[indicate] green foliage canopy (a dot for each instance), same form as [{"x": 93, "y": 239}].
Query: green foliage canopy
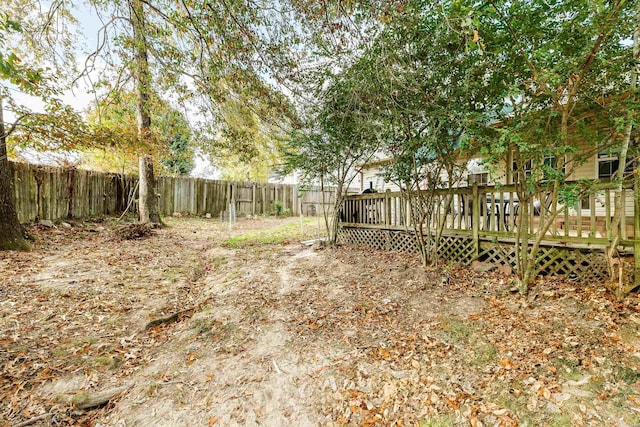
[{"x": 116, "y": 118}]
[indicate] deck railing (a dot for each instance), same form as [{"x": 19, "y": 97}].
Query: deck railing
[{"x": 586, "y": 220}]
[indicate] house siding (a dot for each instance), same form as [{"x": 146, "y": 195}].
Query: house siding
[{"x": 373, "y": 176}]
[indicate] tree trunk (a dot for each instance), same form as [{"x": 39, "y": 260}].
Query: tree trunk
[
  {"x": 147, "y": 208},
  {"x": 147, "y": 200},
  {"x": 335, "y": 214},
  {"x": 11, "y": 236},
  {"x": 618, "y": 221}
]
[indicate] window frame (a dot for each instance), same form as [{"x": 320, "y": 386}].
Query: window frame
[
  {"x": 553, "y": 162},
  {"x": 527, "y": 172},
  {"x": 480, "y": 170},
  {"x": 611, "y": 155}
]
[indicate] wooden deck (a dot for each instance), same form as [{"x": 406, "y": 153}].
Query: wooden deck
[{"x": 574, "y": 243}]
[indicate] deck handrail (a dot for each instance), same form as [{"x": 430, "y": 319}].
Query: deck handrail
[
  {"x": 493, "y": 210},
  {"x": 505, "y": 188}
]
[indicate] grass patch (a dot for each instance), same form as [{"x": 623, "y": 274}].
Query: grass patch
[
  {"x": 278, "y": 235},
  {"x": 197, "y": 272},
  {"x": 152, "y": 389},
  {"x": 561, "y": 420},
  {"x": 73, "y": 348},
  {"x": 596, "y": 385},
  {"x": 516, "y": 404},
  {"x": 205, "y": 326},
  {"x": 456, "y": 329},
  {"x": 485, "y": 353},
  {"x": 439, "y": 421},
  {"x": 214, "y": 329},
  {"x": 629, "y": 334},
  {"x": 254, "y": 314},
  {"x": 218, "y": 262},
  {"x": 106, "y": 362},
  {"x": 569, "y": 369},
  {"x": 626, "y": 374}
]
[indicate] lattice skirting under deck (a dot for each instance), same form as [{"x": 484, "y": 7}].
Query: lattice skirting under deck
[
  {"x": 583, "y": 265},
  {"x": 456, "y": 248}
]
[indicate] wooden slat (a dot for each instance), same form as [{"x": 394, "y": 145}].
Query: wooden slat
[
  {"x": 578, "y": 219},
  {"x": 501, "y": 213},
  {"x": 607, "y": 214},
  {"x": 512, "y": 212},
  {"x": 492, "y": 215},
  {"x": 623, "y": 214},
  {"x": 592, "y": 219}
]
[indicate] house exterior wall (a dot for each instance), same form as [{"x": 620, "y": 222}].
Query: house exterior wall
[
  {"x": 498, "y": 174},
  {"x": 373, "y": 177},
  {"x": 587, "y": 169}
]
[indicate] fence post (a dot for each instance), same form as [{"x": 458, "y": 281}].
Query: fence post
[
  {"x": 475, "y": 218},
  {"x": 253, "y": 199},
  {"x": 636, "y": 230}
]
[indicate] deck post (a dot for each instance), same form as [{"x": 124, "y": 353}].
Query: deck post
[
  {"x": 636, "y": 230},
  {"x": 408, "y": 209},
  {"x": 475, "y": 218},
  {"x": 387, "y": 207}
]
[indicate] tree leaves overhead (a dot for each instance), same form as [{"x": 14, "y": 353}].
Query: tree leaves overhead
[
  {"x": 114, "y": 120},
  {"x": 37, "y": 45},
  {"x": 434, "y": 73}
]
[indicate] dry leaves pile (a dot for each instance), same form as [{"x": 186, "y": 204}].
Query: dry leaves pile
[
  {"x": 72, "y": 310},
  {"x": 289, "y": 335}
]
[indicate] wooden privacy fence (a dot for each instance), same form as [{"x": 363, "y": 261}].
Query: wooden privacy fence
[
  {"x": 43, "y": 192},
  {"x": 482, "y": 222}
]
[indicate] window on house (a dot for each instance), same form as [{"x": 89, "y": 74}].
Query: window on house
[
  {"x": 609, "y": 162},
  {"x": 585, "y": 203},
  {"x": 477, "y": 172},
  {"x": 607, "y": 165},
  {"x": 550, "y": 161},
  {"x": 481, "y": 178},
  {"x": 550, "y": 164},
  {"x": 528, "y": 167}
]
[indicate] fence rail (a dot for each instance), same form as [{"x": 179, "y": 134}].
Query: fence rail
[{"x": 43, "y": 192}]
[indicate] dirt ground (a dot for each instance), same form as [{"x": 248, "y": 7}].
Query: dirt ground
[{"x": 268, "y": 331}]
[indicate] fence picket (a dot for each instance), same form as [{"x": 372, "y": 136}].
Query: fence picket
[{"x": 55, "y": 193}]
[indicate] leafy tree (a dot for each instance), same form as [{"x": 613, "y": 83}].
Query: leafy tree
[
  {"x": 148, "y": 210},
  {"x": 11, "y": 236},
  {"x": 24, "y": 38},
  {"x": 337, "y": 141},
  {"x": 115, "y": 117},
  {"x": 253, "y": 124},
  {"x": 629, "y": 150},
  {"x": 180, "y": 158},
  {"x": 195, "y": 50},
  {"x": 430, "y": 94},
  {"x": 554, "y": 61},
  {"x": 521, "y": 81}
]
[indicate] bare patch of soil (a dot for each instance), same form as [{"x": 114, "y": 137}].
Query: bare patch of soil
[{"x": 281, "y": 334}]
